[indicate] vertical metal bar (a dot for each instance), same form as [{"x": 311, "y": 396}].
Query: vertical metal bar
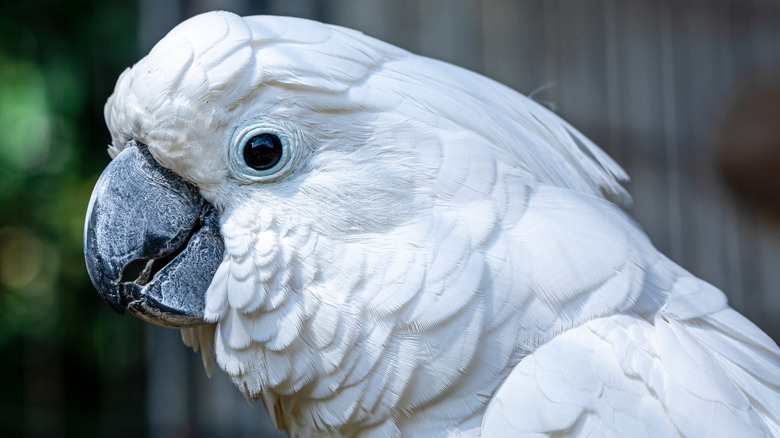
[
  {"x": 732, "y": 222},
  {"x": 551, "y": 54},
  {"x": 613, "y": 80},
  {"x": 670, "y": 132}
]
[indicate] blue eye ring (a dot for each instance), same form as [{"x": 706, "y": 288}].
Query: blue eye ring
[{"x": 261, "y": 152}]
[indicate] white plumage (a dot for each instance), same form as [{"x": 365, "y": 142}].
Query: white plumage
[{"x": 441, "y": 256}]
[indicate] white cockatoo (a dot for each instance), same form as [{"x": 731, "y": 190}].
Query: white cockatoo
[{"x": 375, "y": 243}]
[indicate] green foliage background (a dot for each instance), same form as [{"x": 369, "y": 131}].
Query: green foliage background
[{"x": 69, "y": 365}]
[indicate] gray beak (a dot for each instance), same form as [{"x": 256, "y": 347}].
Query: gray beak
[{"x": 151, "y": 242}]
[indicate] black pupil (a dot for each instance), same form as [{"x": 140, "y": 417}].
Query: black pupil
[{"x": 263, "y": 151}]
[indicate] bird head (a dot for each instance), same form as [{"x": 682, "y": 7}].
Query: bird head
[{"x": 309, "y": 192}]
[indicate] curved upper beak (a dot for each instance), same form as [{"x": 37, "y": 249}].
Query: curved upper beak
[{"x": 151, "y": 242}]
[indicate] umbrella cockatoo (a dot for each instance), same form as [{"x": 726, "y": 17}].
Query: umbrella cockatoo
[{"x": 375, "y": 243}]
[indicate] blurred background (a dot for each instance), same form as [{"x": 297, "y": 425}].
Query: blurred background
[{"x": 684, "y": 94}]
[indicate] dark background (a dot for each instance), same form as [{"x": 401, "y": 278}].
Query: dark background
[{"x": 684, "y": 94}]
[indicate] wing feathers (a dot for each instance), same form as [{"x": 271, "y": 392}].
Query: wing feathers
[{"x": 623, "y": 376}]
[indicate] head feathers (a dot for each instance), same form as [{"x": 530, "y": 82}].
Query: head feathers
[{"x": 203, "y": 77}]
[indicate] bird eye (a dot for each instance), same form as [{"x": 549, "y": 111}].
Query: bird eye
[{"x": 263, "y": 151}]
